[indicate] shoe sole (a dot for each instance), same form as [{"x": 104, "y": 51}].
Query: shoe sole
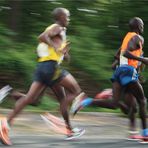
[
  {"x": 133, "y": 139},
  {"x": 76, "y": 137},
  {"x": 143, "y": 142},
  {"x": 5, "y": 140}
]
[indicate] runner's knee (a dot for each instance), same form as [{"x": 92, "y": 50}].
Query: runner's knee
[
  {"x": 76, "y": 91},
  {"x": 142, "y": 102}
]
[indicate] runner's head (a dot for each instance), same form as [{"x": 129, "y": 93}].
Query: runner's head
[
  {"x": 61, "y": 16},
  {"x": 136, "y": 25}
]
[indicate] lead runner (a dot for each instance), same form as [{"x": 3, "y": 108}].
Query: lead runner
[{"x": 52, "y": 49}]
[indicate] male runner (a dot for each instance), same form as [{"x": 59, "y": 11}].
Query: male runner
[
  {"x": 52, "y": 48},
  {"x": 126, "y": 74}
]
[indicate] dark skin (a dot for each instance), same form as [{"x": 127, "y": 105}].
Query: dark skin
[
  {"x": 63, "y": 96},
  {"x": 129, "y": 104},
  {"x": 65, "y": 90},
  {"x": 135, "y": 89}
]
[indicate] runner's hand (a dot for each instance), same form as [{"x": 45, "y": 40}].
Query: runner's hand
[{"x": 66, "y": 48}]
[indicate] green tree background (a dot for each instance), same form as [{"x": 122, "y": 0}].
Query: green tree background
[{"x": 96, "y": 31}]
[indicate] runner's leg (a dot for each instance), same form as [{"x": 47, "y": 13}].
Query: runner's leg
[
  {"x": 61, "y": 97},
  {"x": 110, "y": 103},
  {"x": 71, "y": 86},
  {"x": 130, "y": 101},
  {"x": 137, "y": 91},
  {"x": 34, "y": 91}
]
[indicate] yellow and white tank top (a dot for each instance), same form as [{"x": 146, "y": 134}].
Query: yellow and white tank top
[{"x": 46, "y": 52}]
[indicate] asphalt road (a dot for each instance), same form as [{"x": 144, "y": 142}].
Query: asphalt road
[{"x": 103, "y": 130}]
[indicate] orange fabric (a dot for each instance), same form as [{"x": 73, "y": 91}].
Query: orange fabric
[
  {"x": 137, "y": 52},
  {"x": 126, "y": 39}
]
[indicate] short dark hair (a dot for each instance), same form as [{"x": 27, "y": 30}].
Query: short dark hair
[
  {"x": 58, "y": 11},
  {"x": 134, "y": 23}
]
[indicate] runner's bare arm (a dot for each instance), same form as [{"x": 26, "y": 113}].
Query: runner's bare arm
[
  {"x": 116, "y": 61},
  {"x": 114, "y": 64},
  {"x": 116, "y": 56},
  {"x": 47, "y": 35},
  {"x": 134, "y": 44}
]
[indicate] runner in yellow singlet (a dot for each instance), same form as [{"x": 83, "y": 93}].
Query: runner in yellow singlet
[{"x": 51, "y": 50}]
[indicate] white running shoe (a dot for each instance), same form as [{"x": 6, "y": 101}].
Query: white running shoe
[
  {"x": 4, "y": 92},
  {"x": 76, "y": 133},
  {"x": 76, "y": 103},
  {"x": 4, "y": 132}
]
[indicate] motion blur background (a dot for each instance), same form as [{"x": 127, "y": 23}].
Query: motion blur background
[{"x": 96, "y": 30}]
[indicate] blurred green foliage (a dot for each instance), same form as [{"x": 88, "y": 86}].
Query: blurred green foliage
[
  {"x": 16, "y": 63},
  {"x": 96, "y": 30}
]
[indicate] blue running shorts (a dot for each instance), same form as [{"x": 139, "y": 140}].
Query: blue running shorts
[{"x": 125, "y": 74}]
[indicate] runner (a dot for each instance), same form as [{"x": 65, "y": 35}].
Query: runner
[
  {"x": 52, "y": 49},
  {"x": 4, "y": 91},
  {"x": 128, "y": 105},
  {"x": 126, "y": 75}
]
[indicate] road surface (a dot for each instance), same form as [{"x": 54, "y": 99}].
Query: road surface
[{"x": 103, "y": 130}]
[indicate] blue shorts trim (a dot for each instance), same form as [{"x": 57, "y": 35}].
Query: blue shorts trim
[{"x": 125, "y": 74}]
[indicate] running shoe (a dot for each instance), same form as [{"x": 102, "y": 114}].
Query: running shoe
[
  {"x": 4, "y": 131},
  {"x": 145, "y": 136},
  {"x": 4, "y": 92},
  {"x": 76, "y": 105},
  {"x": 58, "y": 127},
  {"x": 134, "y": 136},
  {"x": 105, "y": 94},
  {"x": 144, "y": 139},
  {"x": 54, "y": 126},
  {"x": 75, "y": 134}
]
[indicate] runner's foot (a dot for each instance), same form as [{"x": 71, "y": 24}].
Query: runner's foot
[
  {"x": 58, "y": 126},
  {"x": 144, "y": 136},
  {"x": 75, "y": 134},
  {"x": 134, "y": 136},
  {"x": 76, "y": 105},
  {"x": 4, "y": 131}
]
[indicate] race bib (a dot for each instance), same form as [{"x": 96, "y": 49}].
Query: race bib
[{"x": 42, "y": 50}]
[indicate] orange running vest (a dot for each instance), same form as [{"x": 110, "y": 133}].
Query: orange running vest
[{"x": 138, "y": 52}]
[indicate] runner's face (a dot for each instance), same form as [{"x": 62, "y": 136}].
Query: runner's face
[
  {"x": 140, "y": 26},
  {"x": 66, "y": 19}
]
